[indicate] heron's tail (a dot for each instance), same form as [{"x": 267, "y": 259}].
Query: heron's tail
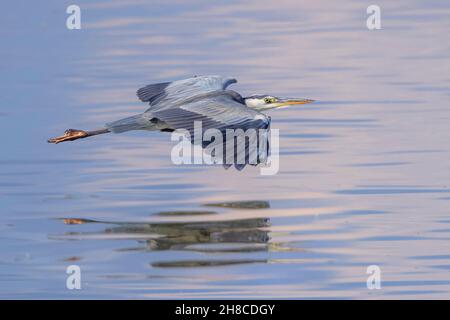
[{"x": 137, "y": 122}]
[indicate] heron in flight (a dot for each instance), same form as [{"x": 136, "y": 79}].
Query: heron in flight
[{"x": 178, "y": 104}]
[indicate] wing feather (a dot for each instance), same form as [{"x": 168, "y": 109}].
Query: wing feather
[
  {"x": 220, "y": 111},
  {"x": 162, "y": 94},
  {"x": 180, "y": 104}
]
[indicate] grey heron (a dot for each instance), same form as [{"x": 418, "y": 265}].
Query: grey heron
[{"x": 178, "y": 104}]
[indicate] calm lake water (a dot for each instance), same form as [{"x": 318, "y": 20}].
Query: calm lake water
[{"x": 364, "y": 172}]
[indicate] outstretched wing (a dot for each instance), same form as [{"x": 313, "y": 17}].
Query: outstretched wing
[
  {"x": 220, "y": 111},
  {"x": 171, "y": 93}
]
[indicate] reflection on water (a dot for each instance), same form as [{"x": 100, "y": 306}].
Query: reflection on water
[
  {"x": 363, "y": 174},
  {"x": 241, "y": 204},
  {"x": 184, "y": 213},
  {"x": 180, "y": 236},
  {"x": 201, "y": 263},
  {"x": 239, "y": 236}
]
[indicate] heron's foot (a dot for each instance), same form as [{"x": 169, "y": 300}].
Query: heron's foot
[{"x": 69, "y": 135}]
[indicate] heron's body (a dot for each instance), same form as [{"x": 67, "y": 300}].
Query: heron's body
[
  {"x": 221, "y": 107},
  {"x": 179, "y": 104}
]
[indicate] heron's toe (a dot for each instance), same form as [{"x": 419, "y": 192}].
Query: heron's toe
[{"x": 69, "y": 135}]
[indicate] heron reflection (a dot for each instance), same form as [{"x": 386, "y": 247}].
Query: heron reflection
[
  {"x": 204, "y": 236},
  {"x": 243, "y": 235},
  {"x": 234, "y": 235}
]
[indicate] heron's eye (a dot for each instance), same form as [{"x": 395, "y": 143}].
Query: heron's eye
[{"x": 269, "y": 100}]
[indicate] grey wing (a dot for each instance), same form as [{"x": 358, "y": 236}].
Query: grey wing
[
  {"x": 222, "y": 113},
  {"x": 169, "y": 93}
]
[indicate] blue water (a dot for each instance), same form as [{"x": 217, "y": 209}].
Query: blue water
[{"x": 364, "y": 172}]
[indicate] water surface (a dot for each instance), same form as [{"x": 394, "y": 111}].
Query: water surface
[{"x": 364, "y": 172}]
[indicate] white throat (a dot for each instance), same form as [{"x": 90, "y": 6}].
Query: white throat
[
  {"x": 258, "y": 104},
  {"x": 253, "y": 103}
]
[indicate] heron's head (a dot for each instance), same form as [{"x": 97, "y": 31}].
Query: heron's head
[{"x": 266, "y": 102}]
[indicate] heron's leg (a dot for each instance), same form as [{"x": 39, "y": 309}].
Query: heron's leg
[{"x": 73, "y": 134}]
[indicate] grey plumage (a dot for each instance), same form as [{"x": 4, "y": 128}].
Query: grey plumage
[
  {"x": 171, "y": 93},
  {"x": 136, "y": 122},
  {"x": 178, "y": 104},
  {"x": 151, "y": 92}
]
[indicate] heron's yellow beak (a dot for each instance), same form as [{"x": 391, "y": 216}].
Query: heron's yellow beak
[{"x": 289, "y": 102}]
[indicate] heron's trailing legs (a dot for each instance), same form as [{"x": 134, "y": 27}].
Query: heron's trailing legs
[{"x": 73, "y": 134}]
